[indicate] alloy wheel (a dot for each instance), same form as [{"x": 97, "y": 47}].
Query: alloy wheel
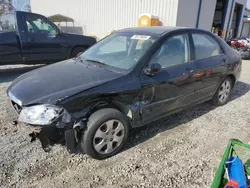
[
  {"x": 108, "y": 136},
  {"x": 224, "y": 91}
]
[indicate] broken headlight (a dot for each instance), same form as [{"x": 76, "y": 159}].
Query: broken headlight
[{"x": 39, "y": 114}]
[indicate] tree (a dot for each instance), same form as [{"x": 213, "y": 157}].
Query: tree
[
  {"x": 5, "y": 6},
  {"x": 23, "y": 5},
  {"x": 14, "y": 5}
]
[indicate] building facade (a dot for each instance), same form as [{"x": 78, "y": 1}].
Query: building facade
[
  {"x": 99, "y": 17},
  {"x": 246, "y": 24},
  {"x": 206, "y": 14}
]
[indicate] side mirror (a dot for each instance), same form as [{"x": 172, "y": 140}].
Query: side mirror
[{"x": 153, "y": 69}]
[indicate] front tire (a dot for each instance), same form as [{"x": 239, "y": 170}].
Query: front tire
[
  {"x": 222, "y": 95},
  {"x": 77, "y": 51},
  {"x": 107, "y": 131}
]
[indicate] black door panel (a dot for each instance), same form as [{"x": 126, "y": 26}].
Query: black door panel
[
  {"x": 43, "y": 47},
  {"x": 209, "y": 73},
  {"x": 44, "y": 44},
  {"x": 171, "y": 88},
  {"x": 10, "y": 48},
  {"x": 167, "y": 90},
  {"x": 210, "y": 62}
]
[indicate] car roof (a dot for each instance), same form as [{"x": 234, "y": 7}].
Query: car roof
[{"x": 156, "y": 30}]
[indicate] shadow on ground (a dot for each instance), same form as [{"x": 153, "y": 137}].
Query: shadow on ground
[
  {"x": 11, "y": 73},
  {"x": 144, "y": 133}
]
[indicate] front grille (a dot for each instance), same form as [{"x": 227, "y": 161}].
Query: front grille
[{"x": 16, "y": 107}]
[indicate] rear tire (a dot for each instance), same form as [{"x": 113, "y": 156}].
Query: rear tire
[
  {"x": 107, "y": 131},
  {"x": 76, "y": 51},
  {"x": 223, "y": 93}
]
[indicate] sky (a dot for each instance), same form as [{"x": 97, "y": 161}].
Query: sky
[{"x": 248, "y": 4}]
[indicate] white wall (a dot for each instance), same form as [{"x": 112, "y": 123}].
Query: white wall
[
  {"x": 70, "y": 8},
  {"x": 246, "y": 26},
  {"x": 245, "y": 30},
  {"x": 98, "y": 17},
  {"x": 188, "y": 11},
  {"x": 207, "y": 14}
]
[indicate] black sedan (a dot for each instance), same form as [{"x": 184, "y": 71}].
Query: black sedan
[{"x": 126, "y": 80}]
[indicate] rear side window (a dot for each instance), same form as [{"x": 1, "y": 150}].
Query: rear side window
[{"x": 205, "y": 46}]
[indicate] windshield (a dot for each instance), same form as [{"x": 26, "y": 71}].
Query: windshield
[
  {"x": 7, "y": 22},
  {"x": 120, "y": 50}
]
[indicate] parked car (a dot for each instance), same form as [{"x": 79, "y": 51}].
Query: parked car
[
  {"x": 128, "y": 79},
  {"x": 28, "y": 38}
]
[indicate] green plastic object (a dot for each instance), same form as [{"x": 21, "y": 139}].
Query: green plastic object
[
  {"x": 247, "y": 166},
  {"x": 234, "y": 148}
]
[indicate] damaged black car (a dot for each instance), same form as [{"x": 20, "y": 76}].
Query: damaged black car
[{"x": 128, "y": 79}]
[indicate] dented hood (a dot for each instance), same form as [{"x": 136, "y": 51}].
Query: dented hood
[{"x": 53, "y": 83}]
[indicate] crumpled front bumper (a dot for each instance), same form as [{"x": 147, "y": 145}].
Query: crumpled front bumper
[
  {"x": 60, "y": 130},
  {"x": 28, "y": 129}
]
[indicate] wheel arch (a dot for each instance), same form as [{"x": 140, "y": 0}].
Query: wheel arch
[
  {"x": 77, "y": 46},
  {"x": 124, "y": 109},
  {"x": 233, "y": 78}
]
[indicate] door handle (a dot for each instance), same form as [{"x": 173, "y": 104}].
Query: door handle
[
  {"x": 64, "y": 45},
  {"x": 31, "y": 39}
]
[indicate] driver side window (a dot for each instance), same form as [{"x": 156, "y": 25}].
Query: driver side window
[
  {"x": 36, "y": 24},
  {"x": 174, "y": 51}
]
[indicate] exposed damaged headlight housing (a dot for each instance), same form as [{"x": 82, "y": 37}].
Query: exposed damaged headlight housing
[{"x": 39, "y": 114}]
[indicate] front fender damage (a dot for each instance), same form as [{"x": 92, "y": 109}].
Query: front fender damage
[
  {"x": 69, "y": 127},
  {"x": 73, "y": 134}
]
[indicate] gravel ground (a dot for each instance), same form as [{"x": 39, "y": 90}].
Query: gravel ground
[{"x": 182, "y": 150}]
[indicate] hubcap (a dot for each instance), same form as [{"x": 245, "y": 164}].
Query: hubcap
[
  {"x": 108, "y": 136},
  {"x": 224, "y": 91}
]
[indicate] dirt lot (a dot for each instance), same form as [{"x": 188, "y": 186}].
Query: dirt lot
[{"x": 182, "y": 150}]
